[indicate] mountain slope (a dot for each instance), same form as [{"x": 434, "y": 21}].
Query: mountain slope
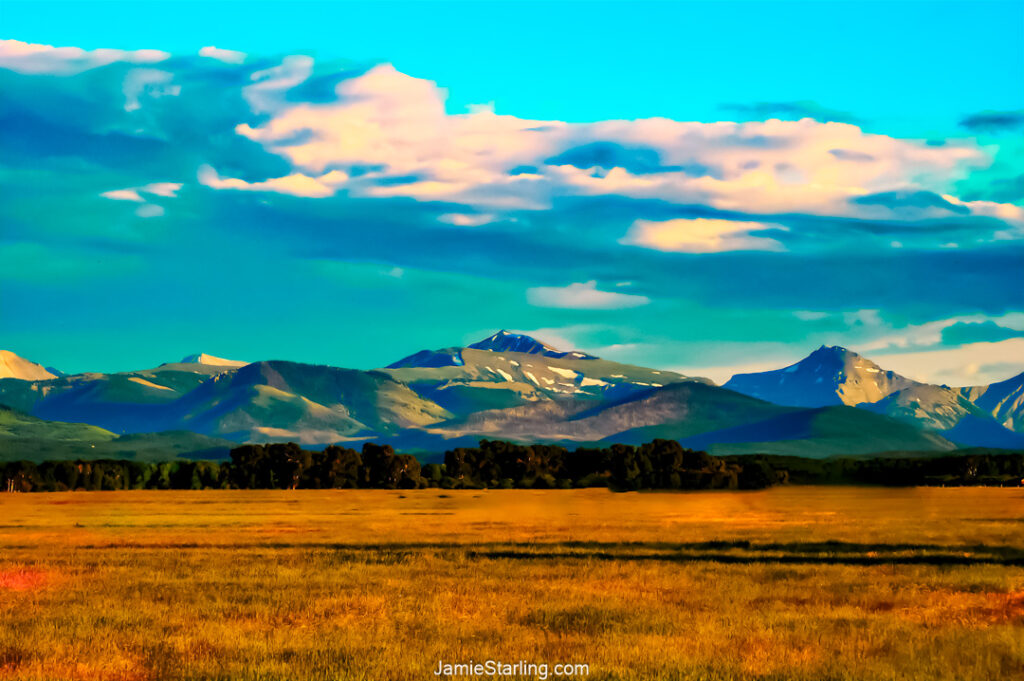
[
  {"x": 1003, "y": 400},
  {"x": 13, "y": 366},
  {"x": 819, "y": 433},
  {"x": 25, "y": 437},
  {"x": 121, "y": 402},
  {"x": 949, "y": 412},
  {"x": 272, "y": 401},
  {"x": 465, "y": 380},
  {"x": 828, "y": 376},
  {"x": 506, "y": 341},
  {"x": 210, "y": 360}
]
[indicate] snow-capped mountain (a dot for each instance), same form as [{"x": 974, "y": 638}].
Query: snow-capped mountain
[
  {"x": 13, "y": 366},
  {"x": 506, "y": 341},
  {"x": 828, "y": 376},
  {"x": 490, "y": 375}
]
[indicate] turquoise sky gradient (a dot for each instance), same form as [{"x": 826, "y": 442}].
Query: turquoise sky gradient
[{"x": 888, "y": 220}]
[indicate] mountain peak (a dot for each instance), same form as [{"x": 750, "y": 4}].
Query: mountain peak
[
  {"x": 828, "y": 376},
  {"x": 507, "y": 341},
  {"x": 211, "y": 360},
  {"x": 13, "y": 366}
]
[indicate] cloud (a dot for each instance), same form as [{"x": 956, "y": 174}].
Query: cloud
[
  {"x": 149, "y": 210},
  {"x": 994, "y": 121},
  {"x": 123, "y": 195},
  {"x": 962, "y": 333},
  {"x": 971, "y": 364},
  {"x": 914, "y": 200},
  {"x": 167, "y": 189},
  {"x": 31, "y": 58},
  {"x": 164, "y": 189},
  {"x": 147, "y": 82},
  {"x": 296, "y": 184},
  {"x": 701, "y": 235},
  {"x": 790, "y": 110},
  {"x": 582, "y": 296},
  {"x": 226, "y": 56},
  {"x": 397, "y": 126},
  {"x": 465, "y": 220}
]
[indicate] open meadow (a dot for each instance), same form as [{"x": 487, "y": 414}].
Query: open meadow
[{"x": 811, "y": 583}]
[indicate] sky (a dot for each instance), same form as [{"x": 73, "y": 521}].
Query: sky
[{"x": 707, "y": 187}]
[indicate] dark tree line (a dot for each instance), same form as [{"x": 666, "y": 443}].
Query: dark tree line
[
  {"x": 661, "y": 464},
  {"x": 902, "y": 469}
]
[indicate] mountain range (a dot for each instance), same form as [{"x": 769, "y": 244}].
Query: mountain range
[{"x": 507, "y": 386}]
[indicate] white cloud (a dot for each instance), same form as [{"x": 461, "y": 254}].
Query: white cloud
[
  {"x": 123, "y": 195},
  {"x": 32, "y": 58},
  {"x": 701, "y": 235},
  {"x": 466, "y": 220},
  {"x": 582, "y": 296},
  {"x": 147, "y": 82},
  {"x": 226, "y": 56},
  {"x": 164, "y": 189},
  {"x": 270, "y": 85},
  {"x": 971, "y": 364},
  {"x": 295, "y": 184},
  {"x": 167, "y": 189},
  {"x": 398, "y": 125}
]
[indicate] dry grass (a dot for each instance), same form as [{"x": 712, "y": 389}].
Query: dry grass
[{"x": 791, "y": 583}]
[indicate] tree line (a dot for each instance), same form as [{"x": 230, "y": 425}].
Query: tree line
[{"x": 661, "y": 464}]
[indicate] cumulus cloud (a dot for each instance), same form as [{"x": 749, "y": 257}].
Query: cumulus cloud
[
  {"x": 226, "y": 56},
  {"x": 36, "y": 59},
  {"x": 397, "y": 127},
  {"x": 582, "y": 296},
  {"x": 296, "y": 184},
  {"x": 701, "y": 235}
]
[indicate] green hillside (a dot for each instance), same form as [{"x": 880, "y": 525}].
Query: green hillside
[{"x": 24, "y": 437}]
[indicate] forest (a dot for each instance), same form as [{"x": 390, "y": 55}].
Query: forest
[{"x": 495, "y": 464}]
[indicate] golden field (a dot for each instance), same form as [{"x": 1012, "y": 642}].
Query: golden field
[{"x": 807, "y": 583}]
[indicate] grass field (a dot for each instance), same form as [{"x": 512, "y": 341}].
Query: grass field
[{"x": 806, "y": 583}]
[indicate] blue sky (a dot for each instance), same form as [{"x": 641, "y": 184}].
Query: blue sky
[{"x": 702, "y": 186}]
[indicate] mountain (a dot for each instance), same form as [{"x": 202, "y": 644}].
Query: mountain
[
  {"x": 830, "y": 375},
  {"x": 280, "y": 401},
  {"x": 932, "y": 406},
  {"x": 1003, "y": 400},
  {"x": 507, "y": 386},
  {"x": 121, "y": 402},
  {"x": 819, "y": 433},
  {"x": 672, "y": 411},
  {"x": 465, "y": 380},
  {"x": 13, "y": 366},
  {"x": 506, "y": 341},
  {"x": 698, "y": 415},
  {"x": 27, "y": 438},
  {"x": 210, "y": 360},
  {"x": 949, "y": 412}
]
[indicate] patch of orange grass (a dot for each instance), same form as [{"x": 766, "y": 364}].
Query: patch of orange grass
[
  {"x": 22, "y": 579},
  {"x": 945, "y": 608},
  {"x": 120, "y": 669}
]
